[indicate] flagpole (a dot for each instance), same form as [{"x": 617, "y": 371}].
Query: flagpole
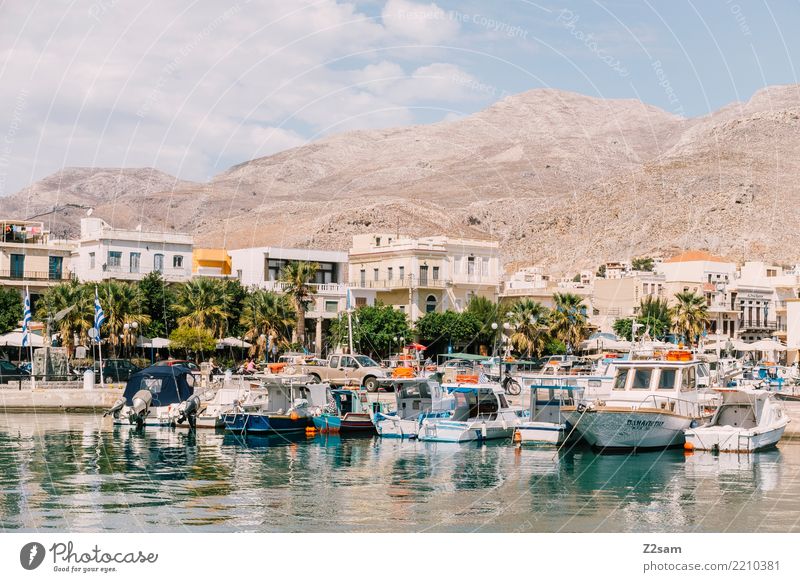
[
  {"x": 97, "y": 336},
  {"x": 30, "y": 343}
]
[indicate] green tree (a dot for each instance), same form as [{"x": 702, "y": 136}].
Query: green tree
[
  {"x": 642, "y": 264},
  {"x": 267, "y": 315},
  {"x": 192, "y": 340},
  {"x": 235, "y": 296},
  {"x": 530, "y": 321},
  {"x": 568, "y": 320},
  {"x": 690, "y": 315},
  {"x": 157, "y": 297},
  {"x": 653, "y": 315},
  {"x": 10, "y": 309},
  {"x": 201, "y": 303},
  {"x": 448, "y": 329},
  {"x": 298, "y": 276},
  {"x": 122, "y": 305},
  {"x": 486, "y": 312},
  {"x": 374, "y": 329},
  {"x": 79, "y": 320}
]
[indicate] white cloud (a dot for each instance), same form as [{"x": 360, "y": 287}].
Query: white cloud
[
  {"x": 191, "y": 88},
  {"x": 420, "y": 23}
]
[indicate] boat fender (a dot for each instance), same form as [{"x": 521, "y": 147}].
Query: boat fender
[{"x": 693, "y": 424}]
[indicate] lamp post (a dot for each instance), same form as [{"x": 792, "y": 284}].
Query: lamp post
[{"x": 494, "y": 346}]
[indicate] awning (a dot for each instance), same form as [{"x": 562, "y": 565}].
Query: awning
[
  {"x": 766, "y": 345},
  {"x": 14, "y": 339},
  {"x": 155, "y": 343},
  {"x": 232, "y": 342}
]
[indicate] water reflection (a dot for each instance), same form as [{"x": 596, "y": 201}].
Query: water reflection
[{"x": 77, "y": 472}]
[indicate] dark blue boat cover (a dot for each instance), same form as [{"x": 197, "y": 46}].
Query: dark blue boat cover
[{"x": 167, "y": 384}]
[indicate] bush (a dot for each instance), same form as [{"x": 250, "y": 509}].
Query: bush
[{"x": 192, "y": 339}]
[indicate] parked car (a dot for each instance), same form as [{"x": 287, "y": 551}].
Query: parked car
[
  {"x": 344, "y": 370},
  {"x": 11, "y": 373},
  {"x": 115, "y": 370}
]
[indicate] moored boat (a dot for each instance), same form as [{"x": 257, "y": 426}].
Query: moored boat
[
  {"x": 286, "y": 409},
  {"x": 157, "y": 396},
  {"x": 747, "y": 420},
  {"x": 417, "y": 399},
  {"x": 344, "y": 412},
  {"x": 547, "y": 424}
]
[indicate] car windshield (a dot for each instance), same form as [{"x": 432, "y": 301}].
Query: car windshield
[{"x": 366, "y": 361}]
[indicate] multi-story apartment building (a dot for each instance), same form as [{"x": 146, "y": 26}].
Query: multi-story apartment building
[
  {"x": 620, "y": 297},
  {"x": 261, "y": 267},
  {"x": 30, "y": 258},
  {"x": 105, "y": 252},
  {"x": 420, "y": 275}
]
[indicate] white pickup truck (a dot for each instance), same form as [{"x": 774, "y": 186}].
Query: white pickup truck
[{"x": 348, "y": 370}]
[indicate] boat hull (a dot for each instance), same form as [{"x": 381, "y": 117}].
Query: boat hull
[
  {"x": 350, "y": 423},
  {"x": 626, "y": 429},
  {"x": 448, "y": 431},
  {"x": 264, "y": 423},
  {"x": 397, "y": 428},
  {"x": 542, "y": 433},
  {"x": 731, "y": 440}
]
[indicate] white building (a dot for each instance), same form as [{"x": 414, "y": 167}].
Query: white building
[
  {"x": 261, "y": 267},
  {"x": 105, "y": 252}
]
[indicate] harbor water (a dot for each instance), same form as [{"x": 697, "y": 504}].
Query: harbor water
[{"x": 77, "y": 472}]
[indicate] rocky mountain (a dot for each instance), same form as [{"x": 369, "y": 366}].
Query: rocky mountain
[{"x": 557, "y": 177}]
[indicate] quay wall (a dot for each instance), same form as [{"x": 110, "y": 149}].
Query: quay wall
[
  {"x": 793, "y": 411},
  {"x": 57, "y": 397}
]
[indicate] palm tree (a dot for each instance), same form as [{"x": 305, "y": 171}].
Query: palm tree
[
  {"x": 529, "y": 320},
  {"x": 297, "y": 276},
  {"x": 202, "y": 303},
  {"x": 654, "y": 313},
  {"x": 486, "y": 312},
  {"x": 78, "y": 321},
  {"x": 690, "y": 315},
  {"x": 266, "y": 315},
  {"x": 123, "y": 306},
  {"x": 568, "y": 319}
]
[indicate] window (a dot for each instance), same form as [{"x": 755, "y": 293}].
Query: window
[
  {"x": 363, "y": 277},
  {"x": 377, "y": 241},
  {"x": 470, "y": 265},
  {"x": 135, "y": 260},
  {"x": 331, "y": 306},
  {"x": 423, "y": 275},
  {"x": 641, "y": 379},
  {"x": 401, "y": 271},
  {"x": 114, "y": 258},
  {"x": 55, "y": 268},
  {"x": 688, "y": 379},
  {"x": 436, "y": 273},
  {"x": 389, "y": 273},
  {"x": 620, "y": 379},
  {"x": 177, "y": 262},
  {"x": 158, "y": 262},
  {"x": 361, "y": 301},
  {"x": 667, "y": 379},
  {"x": 334, "y": 361},
  {"x": 430, "y": 304},
  {"x": 91, "y": 260},
  {"x": 485, "y": 271},
  {"x": 375, "y": 274}
]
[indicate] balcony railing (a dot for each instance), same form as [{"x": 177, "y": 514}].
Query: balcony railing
[
  {"x": 757, "y": 324},
  {"x": 34, "y": 275},
  {"x": 404, "y": 283},
  {"x": 125, "y": 271}
]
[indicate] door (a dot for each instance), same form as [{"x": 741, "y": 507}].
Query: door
[
  {"x": 17, "y": 266},
  {"x": 56, "y": 268},
  {"x": 423, "y": 275}
]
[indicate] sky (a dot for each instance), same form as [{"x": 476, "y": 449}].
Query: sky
[{"x": 193, "y": 87}]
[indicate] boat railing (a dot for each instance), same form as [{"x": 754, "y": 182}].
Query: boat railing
[{"x": 679, "y": 406}]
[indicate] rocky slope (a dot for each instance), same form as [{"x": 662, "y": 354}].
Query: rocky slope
[{"x": 557, "y": 177}]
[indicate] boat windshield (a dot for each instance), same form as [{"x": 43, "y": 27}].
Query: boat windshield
[
  {"x": 415, "y": 391},
  {"x": 366, "y": 361},
  {"x": 667, "y": 379},
  {"x": 620, "y": 379},
  {"x": 641, "y": 379}
]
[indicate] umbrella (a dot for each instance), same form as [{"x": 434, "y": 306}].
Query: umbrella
[
  {"x": 156, "y": 343},
  {"x": 600, "y": 343},
  {"x": 735, "y": 345},
  {"x": 14, "y": 339},
  {"x": 767, "y": 345},
  {"x": 416, "y": 346},
  {"x": 232, "y": 342}
]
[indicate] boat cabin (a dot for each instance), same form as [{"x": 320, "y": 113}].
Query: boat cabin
[
  {"x": 549, "y": 397},
  {"x": 417, "y": 395},
  {"x": 167, "y": 384},
  {"x": 746, "y": 409},
  {"x": 348, "y": 401},
  {"x": 477, "y": 403}
]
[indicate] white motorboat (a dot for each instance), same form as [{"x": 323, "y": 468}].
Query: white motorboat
[
  {"x": 747, "y": 420},
  {"x": 481, "y": 412},
  {"x": 417, "y": 399},
  {"x": 227, "y": 399},
  {"x": 650, "y": 405},
  {"x": 547, "y": 424}
]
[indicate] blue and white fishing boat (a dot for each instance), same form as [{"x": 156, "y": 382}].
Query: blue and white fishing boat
[
  {"x": 417, "y": 399},
  {"x": 286, "y": 410},
  {"x": 480, "y": 413},
  {"x": 345, "y": 412},
  {"x": 548, "y": 424}
]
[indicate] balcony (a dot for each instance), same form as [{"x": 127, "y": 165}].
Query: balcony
[
  {"x": 757, "y": 324},
  {"x": 124, "y": 272},
  {"x": 14, "y": 275},
  {"x": 404, "y": 283}
]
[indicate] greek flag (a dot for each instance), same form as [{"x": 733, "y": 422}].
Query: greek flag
[
  {"x": 26, "y": 320},
  {"x": 99, "y": 316},
  {"x": 349, "y": 300}
]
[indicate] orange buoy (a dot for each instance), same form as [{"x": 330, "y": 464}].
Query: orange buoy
[{"x": 517, "y": 437}]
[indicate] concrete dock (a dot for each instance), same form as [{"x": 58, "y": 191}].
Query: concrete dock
[{"x": 57, "y": 397}]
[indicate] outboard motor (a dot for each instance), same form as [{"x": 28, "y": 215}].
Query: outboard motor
[
  {"x": 140, "y": 408},
  {"x": 115, "y": 408},
  {"x": 187, "y": 410}
]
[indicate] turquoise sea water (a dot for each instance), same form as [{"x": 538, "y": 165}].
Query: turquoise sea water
[{"x": 78, "y": 473}]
